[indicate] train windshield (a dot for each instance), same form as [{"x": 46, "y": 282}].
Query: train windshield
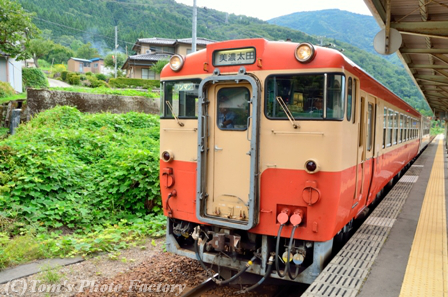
[
  {"x": 305, "y": 96},
  {"x": 180, "y": 98}
]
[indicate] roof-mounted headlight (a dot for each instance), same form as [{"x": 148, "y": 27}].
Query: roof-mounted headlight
[
  {"x": 305, "y": 52},
  {"x": 176, "y": 62}
]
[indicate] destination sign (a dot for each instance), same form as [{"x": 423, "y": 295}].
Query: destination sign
[{"x": 239, "y": 56}]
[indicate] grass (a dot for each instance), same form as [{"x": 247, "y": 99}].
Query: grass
[
  {"x": 12, "y": 98},
  {"x": 120, "y": 92}
]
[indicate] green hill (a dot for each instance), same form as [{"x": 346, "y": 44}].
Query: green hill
[
  {"x": 356, "y": 29},
  {"x": 94, "y": 21}
]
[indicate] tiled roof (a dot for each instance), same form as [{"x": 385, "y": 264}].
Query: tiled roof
[
  {"x": 149, "y": 57},
  {"x": 199, "y": 40},
  {"x": 157, "y": 40}
]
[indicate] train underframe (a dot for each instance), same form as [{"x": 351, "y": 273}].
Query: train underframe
[{"x": 229, "y": 251}]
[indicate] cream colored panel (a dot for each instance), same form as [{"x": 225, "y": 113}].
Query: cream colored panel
[{"x": 182, "y": 141}]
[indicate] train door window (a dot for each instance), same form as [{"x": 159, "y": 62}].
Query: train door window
[
  {"x": 369, "y": 126},
  {"x": 355, "y": 83},
  {"x": 349, "y": 98},
  {"x": 180, "y": 99},
  {"x": 233, "y": 108},
  {"x": 362, "y": 115},
  {"x": 385, "y": 127}
]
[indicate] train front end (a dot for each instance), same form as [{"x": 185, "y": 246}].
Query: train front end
[{"x": 257, "y": 161}]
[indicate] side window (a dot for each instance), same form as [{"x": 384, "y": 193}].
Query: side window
[
  {"x": 391, "y": 127},
  {"x": 349, "y": 98},
  {"x": 232, "y": 109},
  {"x": 369, "y": 126},
  {"x": 397, "y": 115}
]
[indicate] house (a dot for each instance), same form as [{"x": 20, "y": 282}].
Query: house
[
  {"x": 151, "y": 50},
  {"x": 11, "y": 71},
  {"x": 79, "y": 65},
  {"x": 97, "y": 65}
]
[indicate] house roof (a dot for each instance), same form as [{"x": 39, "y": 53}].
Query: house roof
[
  {"x": 96, "y": 59},
  {"x": 171, "y": 42},
  {"x": 145, "y": 59},
  {"x": 80, "y": 60}
]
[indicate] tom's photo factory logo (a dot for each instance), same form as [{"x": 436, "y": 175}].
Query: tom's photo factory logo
[{"x": 21, "y": 287}]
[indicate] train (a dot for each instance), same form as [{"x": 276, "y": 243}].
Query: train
[{"x": 270, "y": 151}]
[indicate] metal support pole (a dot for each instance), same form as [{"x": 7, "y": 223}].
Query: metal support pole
[
  {"x": 195, "y": 18},
  {"x": 116, "y": 46}
]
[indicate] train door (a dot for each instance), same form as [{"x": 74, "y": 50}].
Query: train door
[
  {"x": 365, "y": 152},
  {"x": 228, "y": 153}
]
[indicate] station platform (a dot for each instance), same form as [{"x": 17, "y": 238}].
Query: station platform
[{"x": 401, "y": 249}]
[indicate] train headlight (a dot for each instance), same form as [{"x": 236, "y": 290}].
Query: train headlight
[
  {"x": 176, "y": 62},
  {"x": 305, "y": 52},
  {"x": 311, "y": 166},
  {"x": 167, "y": 156}
]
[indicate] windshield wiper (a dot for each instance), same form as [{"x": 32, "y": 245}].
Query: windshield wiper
[
  {"x": 172, "y": 112},
  {"x": 287, "y": 111}
]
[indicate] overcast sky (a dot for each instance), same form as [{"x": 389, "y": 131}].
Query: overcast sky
[{"x": 266, "y": 10}]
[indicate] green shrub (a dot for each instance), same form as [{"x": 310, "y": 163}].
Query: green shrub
[
  {"x": 73, "y": 78},
  {"x": 94, "y": 82},
  {"x": 89, "y": 73},
  {"x": 65, "y": 168},
  {"x": 57, "y": 70},
  {"x": 33, "y": 78},
  {"x": 123, "y": 82},
  {"x": 64, "y": 75},
  {"x": 6, "y": 90},
  {"x": 101, "y": 76}
]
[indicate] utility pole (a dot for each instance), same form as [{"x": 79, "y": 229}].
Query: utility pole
[
  {"x": 195, "y": 18},
  {"x": 116, "y": 46}
]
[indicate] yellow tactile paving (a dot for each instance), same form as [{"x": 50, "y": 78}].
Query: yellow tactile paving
[{"x": 427, "y": 271}]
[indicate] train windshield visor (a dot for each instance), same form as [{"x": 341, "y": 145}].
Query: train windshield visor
[
  {"x": 307, "y": 96},
  {"x": 180, "y": 98}
]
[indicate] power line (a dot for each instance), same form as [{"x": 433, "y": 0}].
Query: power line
[{"x": 83, "y": 31}]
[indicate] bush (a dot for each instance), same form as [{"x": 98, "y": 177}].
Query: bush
[
  {"x": 94, "y": 82},
  {"x": 73, "y": 78},
  {"x": 65, "y": 168},
  {"x": 64, "y": 75},
  {"x": 6, "y": 90},
  {"x": 101, "y": 76},
  {"x": 33, "y": 78},
  {"x": 123, "y": 82}
]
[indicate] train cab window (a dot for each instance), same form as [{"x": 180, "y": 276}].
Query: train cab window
[
  {"x": 305, "y": 96},
  {"x": 233, "y": 108},
  {"x": 180, "y": 99},
  {"x": 349, "y": 98}
]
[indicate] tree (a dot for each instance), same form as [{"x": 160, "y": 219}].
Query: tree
[
  {"x": 40, "y": 47},
  {"x": 75, "y": 45},
  {"x": 16, "y": 29},
  {"x": 60, "y": 54},
  {"x": 157, "y": 67},
  {"x": 110, "y": 62},
  {"x": 86, "y": 51}
]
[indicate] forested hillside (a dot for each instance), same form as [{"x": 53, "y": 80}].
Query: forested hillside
[
  {"x": 94, "y": 20},
  {"x": 356, "y": 29}
]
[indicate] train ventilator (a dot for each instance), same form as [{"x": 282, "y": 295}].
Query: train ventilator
[{"x": 270, "y": 151}]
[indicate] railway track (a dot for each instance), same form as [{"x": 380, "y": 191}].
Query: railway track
[{"x": 208, "y": 288}]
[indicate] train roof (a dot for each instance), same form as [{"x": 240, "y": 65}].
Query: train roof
[{"x": 279, "y": 55}]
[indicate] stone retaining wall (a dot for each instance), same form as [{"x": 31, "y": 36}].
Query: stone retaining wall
[{"x": 40, "y": 100}]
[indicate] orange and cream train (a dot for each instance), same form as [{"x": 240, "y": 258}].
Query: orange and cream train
[{"x": 271, "y": 150}]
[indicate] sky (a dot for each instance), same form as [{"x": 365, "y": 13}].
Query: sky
[{"x": 266, "y": 10}]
